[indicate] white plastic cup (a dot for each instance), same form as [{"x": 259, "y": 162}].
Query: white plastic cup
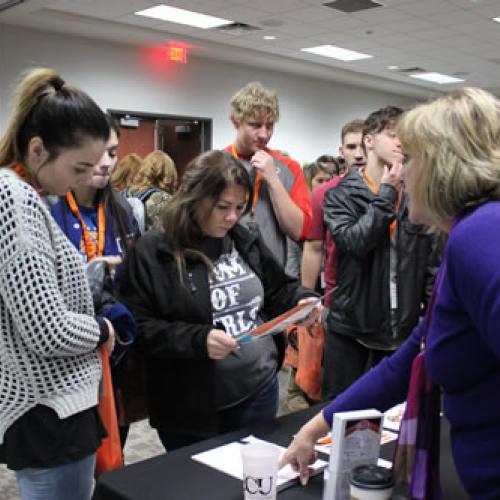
[{"x": 260, "y": 470}]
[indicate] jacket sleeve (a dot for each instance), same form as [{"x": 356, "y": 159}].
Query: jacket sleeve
[
  {"x": 357, "y": 234},
  {"x": 157, "y": 334},
  {"x": 281, "y": 291},
  {"x": 474, "y": 274}
]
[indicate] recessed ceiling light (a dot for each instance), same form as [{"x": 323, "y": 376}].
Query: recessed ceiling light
[
  {"x": 336, "y": 53},
  {"x": 437, "y": 78},
  {"x": 269, "y": 37},
  {"x": 496, "y": 19},
  {"x": 393, "y": 67},
  {"x": 182, "y": 16}
]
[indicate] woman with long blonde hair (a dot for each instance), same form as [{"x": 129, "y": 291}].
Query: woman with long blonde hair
[
  {"x": 453, "y": 182},
  {"x": 154, "y": 184},
  {"x": 125, "y": 170}
]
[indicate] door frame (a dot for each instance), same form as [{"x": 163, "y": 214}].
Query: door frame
[{"x": 206, "y": 124}]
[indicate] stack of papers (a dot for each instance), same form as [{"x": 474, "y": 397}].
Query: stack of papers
[{"x": 227, "y": 459}]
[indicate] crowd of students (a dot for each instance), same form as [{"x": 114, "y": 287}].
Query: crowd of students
[{"x": 188, "y": 268}]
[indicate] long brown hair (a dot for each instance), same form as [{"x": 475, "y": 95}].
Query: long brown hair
[{"x": 205, "y": 178}]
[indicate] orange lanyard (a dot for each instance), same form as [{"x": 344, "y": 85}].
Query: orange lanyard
[
  {"x": 26, "y": 177},
  {"x": 374, "y": 189},
  {"x": 258, "y": 182},
  {"x": 21, "y": 172},
  {"x": 90, "y": 248}
]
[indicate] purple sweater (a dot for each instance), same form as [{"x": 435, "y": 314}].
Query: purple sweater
[{"x": 462, "y": 354}]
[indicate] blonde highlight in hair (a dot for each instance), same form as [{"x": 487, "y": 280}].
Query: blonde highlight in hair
[
  {"x": 455, "y": 141},
  {"x": 157, "y": 170},
  {"x": 255, "y": 100},
  {"x": 125, "y": 171}
]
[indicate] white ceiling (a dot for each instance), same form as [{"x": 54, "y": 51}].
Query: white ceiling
[{"x": 455, "y": 37}]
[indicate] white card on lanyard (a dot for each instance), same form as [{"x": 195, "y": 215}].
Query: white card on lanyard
[{"x": 394, "y": 294}]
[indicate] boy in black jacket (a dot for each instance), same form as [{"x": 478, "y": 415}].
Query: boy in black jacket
[{"x": 383, "y": 267}]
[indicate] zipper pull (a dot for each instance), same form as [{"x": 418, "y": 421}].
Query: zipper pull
[{"x": 192, "y": 286}]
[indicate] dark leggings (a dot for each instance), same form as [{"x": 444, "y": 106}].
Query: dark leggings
[{"x": 344, "y": 361}]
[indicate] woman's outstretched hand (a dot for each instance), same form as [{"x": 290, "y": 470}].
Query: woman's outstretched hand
[{"x": 300, "y": 454}]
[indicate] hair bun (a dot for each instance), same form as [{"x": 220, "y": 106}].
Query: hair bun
[{"x": 58, "y": 83}]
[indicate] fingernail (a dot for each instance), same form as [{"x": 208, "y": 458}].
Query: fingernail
[{"x": 303, "y": 480}]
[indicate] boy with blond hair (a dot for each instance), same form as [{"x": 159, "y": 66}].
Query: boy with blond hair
[{"x": 280, "y": 206}]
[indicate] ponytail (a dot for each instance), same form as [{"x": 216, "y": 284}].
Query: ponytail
[{"x": 46, "y": 107}]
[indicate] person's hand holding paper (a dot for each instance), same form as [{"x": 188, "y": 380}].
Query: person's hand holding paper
[{"x": 315, "y": 315}]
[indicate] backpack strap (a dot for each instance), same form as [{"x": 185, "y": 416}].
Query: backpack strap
[{"x": 146, "y": 194}]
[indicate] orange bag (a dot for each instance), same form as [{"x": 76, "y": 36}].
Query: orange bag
[
  {"x": 109, "y": 454},
  {"x": 305, "y": 353},
  {"x": 311, "y": 345}
]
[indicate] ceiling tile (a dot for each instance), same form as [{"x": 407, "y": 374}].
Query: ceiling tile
[
  {"x": 487, "y": 11},
  {"x": 413, "y": 26},
  {"x": 237, "y": 13},
  {"x": 452, "y": 18},
  {"x": 312, "y": 14},
  {"x": 469, "y": 4},
  {"x": 383, "y": 15},
  {"x": 343, "y": 22},
  {"x": 278, "y": 6},
  {"x": 445, "y": 35},
  {"x": 204, "y": 7},
  {"x": 300, "y": 29},
  {"x": 436, "y": 34},
  {"x": 427, "y": 8},
  {"x": 482, "y": 30}
]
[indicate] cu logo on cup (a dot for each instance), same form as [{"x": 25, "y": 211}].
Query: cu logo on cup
[{"x": 258, "y": 485}]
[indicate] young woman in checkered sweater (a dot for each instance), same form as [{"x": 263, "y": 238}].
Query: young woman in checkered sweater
[{"x": 49, "y": 364}]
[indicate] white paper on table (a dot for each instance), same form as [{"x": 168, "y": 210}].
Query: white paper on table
[{"x": 227, "y": 459}]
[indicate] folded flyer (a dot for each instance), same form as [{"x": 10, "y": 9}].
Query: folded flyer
[{"x": 279, "y": 323}]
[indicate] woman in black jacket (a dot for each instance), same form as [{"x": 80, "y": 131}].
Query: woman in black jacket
[{"x": 196, "y": 289}]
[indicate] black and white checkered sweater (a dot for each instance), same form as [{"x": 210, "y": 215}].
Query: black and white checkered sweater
[{"x": 48, "y": 334}]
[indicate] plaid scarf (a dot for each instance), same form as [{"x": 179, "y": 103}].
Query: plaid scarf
[{"x": 416, "y": 458}]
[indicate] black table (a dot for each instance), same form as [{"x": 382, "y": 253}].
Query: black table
[{"x": 175, "y": 476}]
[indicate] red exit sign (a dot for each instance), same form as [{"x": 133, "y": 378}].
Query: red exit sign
[{"x": 177, "y": 54}]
